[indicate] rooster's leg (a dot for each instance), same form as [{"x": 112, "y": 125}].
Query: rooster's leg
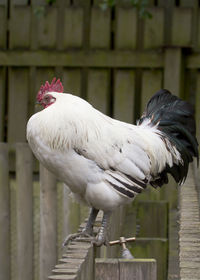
[
  {"x": 87, "y": 231},
  {"x": 102, "y": 237}
]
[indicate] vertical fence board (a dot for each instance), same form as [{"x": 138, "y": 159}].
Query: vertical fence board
[
  {"x": 20, "y": 2},
  {"x": 24, "y": 212},
  {"x": 48, "y": 222},
  {"x": 20, "y": 28},
  {"x": 4, "y": 214},
  {"x": 2, "y": 103},
  {"x": 107, "y": 269},
  {"x": 72, "y": 81},
  {"x": 182, "y": 27},
  {"x": 173, "y": 70},
  {"x": 3, "y": 27},
  {"x": 151, "y": 82},
  {"x": 46, "y": 28},
  {"x": 124, "y": 95},
  {"x": 98, "y": 89},
  {"x": 18, "y": 95},
  {"x": 154, "y": 29},
  {"x": 100, "y": 28},
  {"x": 197, "y": 107},
  {"x": 126, "y": 19},
  {"x": 73, "y": 27}
]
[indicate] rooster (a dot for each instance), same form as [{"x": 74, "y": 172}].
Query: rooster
[{"x": 106, "y": 162}]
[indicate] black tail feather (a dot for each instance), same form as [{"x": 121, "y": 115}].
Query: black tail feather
[{"x": 175, "y": 118}]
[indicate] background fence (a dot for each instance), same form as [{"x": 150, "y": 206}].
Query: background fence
[{"x": 114, "y": 59}]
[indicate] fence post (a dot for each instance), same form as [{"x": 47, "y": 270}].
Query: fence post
[
  {"x": 134, "y": 269},
  {"x": 4, "y": 213},
  {"x": 24, "y": 206},
  {"x": 48, "y": 222}
]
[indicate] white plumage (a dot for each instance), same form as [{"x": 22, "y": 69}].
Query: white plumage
[{"x": 104, "y": 162}]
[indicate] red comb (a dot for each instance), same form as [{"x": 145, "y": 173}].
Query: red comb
[{"x": 55, "y": 86}]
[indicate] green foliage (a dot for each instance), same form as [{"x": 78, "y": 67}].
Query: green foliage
[
  {"x": 50, "y": 2},
  {"x": 141, "y": 6}
]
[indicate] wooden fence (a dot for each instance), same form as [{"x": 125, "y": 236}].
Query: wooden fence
[{"x": 116, "y": 61}]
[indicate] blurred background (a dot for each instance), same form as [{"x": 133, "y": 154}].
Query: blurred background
[{"x": 116, "y": 55}]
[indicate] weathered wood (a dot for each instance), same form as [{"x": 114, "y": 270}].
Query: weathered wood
[
  {"x": 18, "y": 99},
  {"x": 2, "y": 104},
  {"x": 124, "y": 95},
  {"x": 98, "y": 89},
  {"x": 20, "y": 28},
  {"x": 152, "y": 248},
  {"x": 24, "y": 203},
  {"x": 154, "y": 29},
  {"x": 137, "y": 269},
  {"x": 71, "y": 79},
  {"x": 100, "y": 29},
  {"x": 151, "y": 83},
  {"x": 107, "y": 269},
  {"x": 48, "y": 222},
  {"x": 197, "y": 106},
  {"x": 140, "y": 269},
  {"x": 103, "y": 59},
  {"x": 182, "y": 27},
  {"x": 156, "y": 225},
  {"x": 126, "y": 19},
  {"x": 73, "y": 27},
  {"x": 3, "y": 27},
  {"x": 4, "y": 214}
]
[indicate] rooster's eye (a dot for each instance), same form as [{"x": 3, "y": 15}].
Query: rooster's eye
[{"x": 46, "y": 99}]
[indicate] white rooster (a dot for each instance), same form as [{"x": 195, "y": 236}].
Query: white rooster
[{"x": 105, "y": 162}]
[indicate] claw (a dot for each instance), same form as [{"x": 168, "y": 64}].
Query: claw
[{"x": 73, "y": 236}]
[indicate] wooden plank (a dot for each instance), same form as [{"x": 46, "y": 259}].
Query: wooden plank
[
  {"x": 98, "y": 89},
  {"x": 48, "y": 222},
  {"x": 124, "y": 93},
  {"x": 46, "y": 28},
  {"x": 72, "y": 81},
  {"x": 113, "y": 59},
  {"x": 2, "y": 104},
  {"x": 182, "y": 27},
  {"x": 107, "y": 269},
  {"x": 20, "y": 2},
  {"x": 24, "y": 212},
  {"x": 197, "y": 107},
  {"x": 18, "y": 99},
  {"x": 157, "y": 225},
  {"x": 73, "y": 27},
  {"x": 43, "y": 75},
  {"x": 140, "y": 269},
  {"x": 173, "y": 70},
  {"x": 154, "y": 29},
  {"x": 4, "y": 214},
  {"x": 152, "y": 248},
  {"x": 20, "y": 23},
  {"x": 100, "y": 28},
  {"x": 126, "y": 19},
  {"x": 3, "y": 32},
  {"x": 151, "y": 83}
]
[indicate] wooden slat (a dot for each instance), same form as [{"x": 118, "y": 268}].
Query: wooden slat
[
  {"x": 20, "y": 2},
  {"x": 107, "y": 269},
  {"x": 103, "y": 59},
  {"x": 151, "y": 83},
  {"x": 43, "y": 75},
  {"x": 3, "y": 27},
  {"x": 98, "y": 89},
  {"x": 126, "y": 19},
  {"x": 73, "y": 27},
  {"x": 100, "y": 29},
  {"x": 20, "y": 27},
  {"x": 24, "y": 212},
  {"x": 48, "y": 222},
  {"x": 197, "y": 107},
  {"x": 4, "y": 213},
  {"x": 182, "y": 27},
  {"x": 72, "y": 81},
  {"x": 2, "y": 103},
  {"x": 18, "y": 93},
  {"x": 173, "y": 70},
  {"x": 154, "y": 29},
  {"x": 46, "y": 28},
  {"x": 124, "y": 92},
  {"x": 137, "y": 269}
]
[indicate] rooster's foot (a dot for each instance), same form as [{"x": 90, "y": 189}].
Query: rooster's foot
[
  {"x": 102, "y": 236},
  {"x": 83, "y": 234}
]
